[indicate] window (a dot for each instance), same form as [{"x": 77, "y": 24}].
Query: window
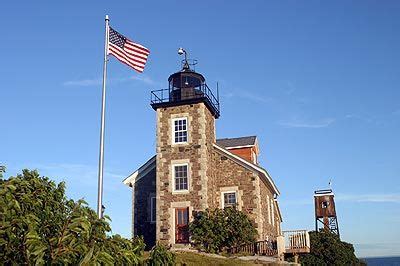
[
  {"x": 181, "y": 177},
  {"x": 179, "y": 130},
  {"x": 269, "y": 210},
  {"x": 273, "y": 212},
  {"x": 153, "y": 209},
  {"x": 230, "y": 199}
]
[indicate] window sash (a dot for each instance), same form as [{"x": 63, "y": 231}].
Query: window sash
[
  {"x": 230, "y": 199},
  {"x": 181, "y": 181},
  {"x": 180, "y": 132}
]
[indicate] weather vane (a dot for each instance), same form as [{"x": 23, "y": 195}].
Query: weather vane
[{"x": 186, "y": 62}]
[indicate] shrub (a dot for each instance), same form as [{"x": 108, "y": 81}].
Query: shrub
[
  {"x": 39, "y": 225},
  {"x": 160, "y": 255},
  {"x": 328, "y": 249},
  {"x": 215, "y": 230}
]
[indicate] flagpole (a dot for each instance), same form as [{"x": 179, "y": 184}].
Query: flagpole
[{"x": 103, "y": 108}]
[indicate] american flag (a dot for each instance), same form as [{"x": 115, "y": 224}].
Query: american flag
[{"x": 126, "y": 51}]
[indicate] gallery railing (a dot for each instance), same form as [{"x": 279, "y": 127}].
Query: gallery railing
[
  {"x": 184, "y": 94},
  {"x": 297, "y": 241},
  {"x": 264, "y": 247}
]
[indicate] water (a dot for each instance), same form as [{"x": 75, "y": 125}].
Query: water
[{"x": 383, "y": 261}]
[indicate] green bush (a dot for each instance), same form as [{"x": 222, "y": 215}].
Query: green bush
[
  {"x": 160, "y": 255},
  {"x": 39, "y": 225},
  {"x": 215, "y": 230},
  {"x": 2, "y": 170},
  {"x": 328, "y": 249}
]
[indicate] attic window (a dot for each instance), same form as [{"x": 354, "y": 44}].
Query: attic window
[{"x": 179, "y": 126}]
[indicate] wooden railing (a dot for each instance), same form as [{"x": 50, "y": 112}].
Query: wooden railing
[
  {"x": 296, "y": 241},
  {"x": 264, "y": 247}
]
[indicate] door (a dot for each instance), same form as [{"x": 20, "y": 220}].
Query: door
[{"x": 182, "y": 225}]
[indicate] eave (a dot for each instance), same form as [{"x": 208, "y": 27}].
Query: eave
[{"x": 139, "y": 173}]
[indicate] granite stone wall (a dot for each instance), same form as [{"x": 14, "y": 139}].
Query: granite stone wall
[
  {"x": 201, "y": 135},
  {"x": 252, "y": 193},
  {"x": 210, "y": 173}
]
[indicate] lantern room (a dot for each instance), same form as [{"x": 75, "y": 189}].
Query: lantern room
[{"x": 186, "y": 87}]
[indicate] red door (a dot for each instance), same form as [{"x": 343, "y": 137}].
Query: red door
[{"x": 182, "y": 225}]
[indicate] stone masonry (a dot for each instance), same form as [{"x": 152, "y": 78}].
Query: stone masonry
[
  {"x": 210, "y": 173},
  {"x": 201, "y": 136}
]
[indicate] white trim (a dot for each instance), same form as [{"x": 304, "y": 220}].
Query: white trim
[
  {"x": 251, "y": 166},
  {"x": 183, "y": 191},
  {"x": 239, "y": 147},
  {"x": 173, "y": 130},
  {"x": 142, "y": 171},
  {"x": 278, "y": 210},
  {"x": 326, "y": 194},
  {"x": 223, "y": 197},
  {"x": 153, "y": 219}
]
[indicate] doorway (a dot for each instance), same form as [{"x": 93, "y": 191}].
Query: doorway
[{"x": 182, "y": 225}]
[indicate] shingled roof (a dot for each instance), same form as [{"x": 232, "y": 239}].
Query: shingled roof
[{"x": 237, "y": 142}]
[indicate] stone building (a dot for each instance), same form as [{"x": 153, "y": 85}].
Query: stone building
[{"x": 192, "y": 170}]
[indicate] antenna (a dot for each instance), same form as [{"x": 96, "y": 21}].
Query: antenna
[{"x": 330, "y": 183}]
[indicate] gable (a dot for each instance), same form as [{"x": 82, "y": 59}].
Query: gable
[
  {"x": 252, "y": 167},
  {"x": 141, "y": 172}
]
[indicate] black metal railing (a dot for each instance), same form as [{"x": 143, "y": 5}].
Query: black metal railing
[
  {"x": 182, "y": 94},
  {"x": 264, "y": 247}
]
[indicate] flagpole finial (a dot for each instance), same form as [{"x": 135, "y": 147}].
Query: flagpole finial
[{"x": 107, "y": 17}]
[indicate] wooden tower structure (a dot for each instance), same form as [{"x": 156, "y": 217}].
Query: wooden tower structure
[{"x": 325, "y": 211}]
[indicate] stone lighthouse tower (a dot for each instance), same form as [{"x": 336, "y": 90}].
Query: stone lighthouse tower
[
  {"x": 186, "y": 113},
  {"x": 193, "y": 171}
]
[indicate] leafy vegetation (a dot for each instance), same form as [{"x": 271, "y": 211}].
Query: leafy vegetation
[
  {"x": 2, "y": 170},
  {"x": 160, "y": 255},
  {"x": 40, "y": 225},
  {"x": 328, "y": 249},
  {"x": 215, "y": 230}
]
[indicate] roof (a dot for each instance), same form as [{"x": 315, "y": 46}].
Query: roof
[
  {"x": 142, "y": 171},
  {"x": 237, "y": 142}
]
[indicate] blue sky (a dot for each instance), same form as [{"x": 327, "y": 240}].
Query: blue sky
[{"x": 317, "y": 82}]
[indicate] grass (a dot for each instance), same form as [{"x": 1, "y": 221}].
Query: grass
[{"x": 191, "y": 258}]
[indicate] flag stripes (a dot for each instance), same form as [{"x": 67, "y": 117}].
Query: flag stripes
[{"x": 126, "y": 51}]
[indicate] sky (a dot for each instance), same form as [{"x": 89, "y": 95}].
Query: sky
[{"x": 316, "y": 81}]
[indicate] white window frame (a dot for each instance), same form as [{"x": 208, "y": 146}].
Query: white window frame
[
  {"x": 223, "y": 198},
  {"x": 269, "y": 210},
  {"x": 153, "y": 219},
  {"x": 273, "y": 212},
  {"x": 173, "y": 178},
  {"x": 173, "y": 129}
]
